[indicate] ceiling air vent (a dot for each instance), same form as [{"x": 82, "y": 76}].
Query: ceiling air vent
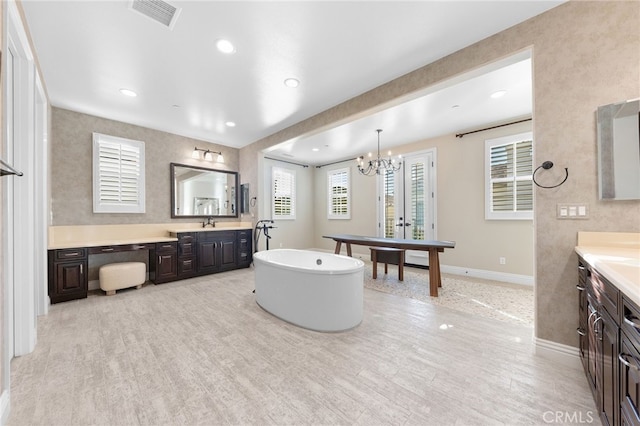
[{"x": 159, "y": 11}]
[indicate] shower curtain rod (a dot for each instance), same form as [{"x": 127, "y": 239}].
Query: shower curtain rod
[{"x": 460, "y": 135}]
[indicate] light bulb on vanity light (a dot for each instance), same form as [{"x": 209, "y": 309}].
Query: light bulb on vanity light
[
  {"x": 208, "y": 156},
  {"x": 220, "y": 158}
]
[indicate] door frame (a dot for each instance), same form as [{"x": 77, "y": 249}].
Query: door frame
[{"x": 433, "y": 175}]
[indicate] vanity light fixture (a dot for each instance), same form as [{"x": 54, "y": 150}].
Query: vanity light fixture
[{"x": 208, "y": 154}]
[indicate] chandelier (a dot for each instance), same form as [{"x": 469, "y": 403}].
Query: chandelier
[{"x": 379, "y": 165}]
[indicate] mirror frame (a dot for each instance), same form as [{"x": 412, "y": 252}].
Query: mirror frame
[
  {"x": 608, "y": 144},
  {"x": 173, "y": 191}
]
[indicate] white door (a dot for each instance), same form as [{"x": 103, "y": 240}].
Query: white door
[{"x": 408, "y": 203}]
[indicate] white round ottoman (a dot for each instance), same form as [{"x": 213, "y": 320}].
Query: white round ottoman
[{"x": 116, "y": 276}]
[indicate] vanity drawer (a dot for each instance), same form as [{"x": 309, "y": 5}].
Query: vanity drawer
[
  {"x": 68, "y": 254},
  {"x": 606, "y": 294},
  {"x": 631, "y": 320},
  {"x": 216, "y": 235},
  {"x": 163, "y": 247},
  {"x": 186, "y": 244}
]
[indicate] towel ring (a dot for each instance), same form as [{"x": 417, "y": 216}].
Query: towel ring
[{"x": 547, "y": 165}]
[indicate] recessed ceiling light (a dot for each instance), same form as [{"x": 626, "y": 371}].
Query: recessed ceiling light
[
  {"x": 128, "y": 92},
  {"x": 230, "y": 124},
  {"x": 498, "y": 94},
  {"x": 315, "y": 149},
  {"x": 292, "y": 82},
  {"x": 225, "y": 46}
]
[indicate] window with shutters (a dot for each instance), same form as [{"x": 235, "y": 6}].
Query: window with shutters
[
  {"x": 284, "y": 193},
  {"x": 388, "y": 192},
  {"x": 339, "y": 191},
  {"x": 118, "y": 175},
  {"x": 509, "y": 184}
]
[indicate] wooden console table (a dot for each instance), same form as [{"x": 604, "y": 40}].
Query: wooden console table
[{"x": 433, "y": 247}]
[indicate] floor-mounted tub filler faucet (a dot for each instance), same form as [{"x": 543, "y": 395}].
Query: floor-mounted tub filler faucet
[{"x": 209, "y": 222}]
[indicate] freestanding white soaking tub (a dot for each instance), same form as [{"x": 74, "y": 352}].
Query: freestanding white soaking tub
[{"x": 314, "y": 290}]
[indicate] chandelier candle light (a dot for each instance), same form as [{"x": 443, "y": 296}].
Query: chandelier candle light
[{"x": 379, "y": 165}]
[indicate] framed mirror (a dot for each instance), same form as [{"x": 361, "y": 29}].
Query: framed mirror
[
  {"x": 619, "y": 151},
  {"x": 201, "y": 192}
]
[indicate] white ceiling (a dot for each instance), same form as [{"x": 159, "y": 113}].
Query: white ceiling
[{"x": 88, "y": 50}]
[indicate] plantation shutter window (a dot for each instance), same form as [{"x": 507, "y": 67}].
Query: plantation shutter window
[
  {"x": 284, "y": 193},
  {"x": 339, "y": 189},
  {"x": 118, "y": 175},
  {"x": 509, "y": 168},
  {"x": 388, "y": 190}
]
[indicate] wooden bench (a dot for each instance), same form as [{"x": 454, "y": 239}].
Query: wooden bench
[{"x": 387, "y": 255}]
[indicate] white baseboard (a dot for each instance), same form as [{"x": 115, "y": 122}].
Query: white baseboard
[
  {"x": 488, "y": 275},
  {"x": 5, "y": 406},
  {"x": 457, "y": 270},
  {"x": 568, "y": 356}
]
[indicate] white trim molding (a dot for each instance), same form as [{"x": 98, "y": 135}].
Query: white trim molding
[
  {"x": 568, "y": 356},
  {"x": 526, "y": 280},
  {"x": 5, "y": 406}
]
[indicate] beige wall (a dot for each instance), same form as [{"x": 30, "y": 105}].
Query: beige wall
[
  {"x": 585, "y": 54},
  {"x": 363, "y": 209},
  {"x": 296, "y": 233},
  {"x": 460, "y": 215},
  {"x": 71, "y": 168},
  {"x": 461, "y": 207}
]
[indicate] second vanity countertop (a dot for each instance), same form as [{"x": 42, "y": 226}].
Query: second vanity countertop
[
  {"x": 81, "y": 236},
  {"x": 619, "y": 262}
]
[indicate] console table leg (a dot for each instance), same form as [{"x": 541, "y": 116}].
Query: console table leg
[
  {"x": 434, "y": 273},
  {"x": 338, "y": 246}
]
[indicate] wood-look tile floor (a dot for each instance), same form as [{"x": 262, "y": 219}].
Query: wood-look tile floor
[{"x": 201, "y": 351}]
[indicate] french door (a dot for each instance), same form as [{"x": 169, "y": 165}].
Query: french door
[{"x": 407, "y": 203}]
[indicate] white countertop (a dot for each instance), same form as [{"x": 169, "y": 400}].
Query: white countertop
[
  {"x": 621, "y": 266},
  {"x": 209, "y": 229},
  {"x": 77, "y": 236}
]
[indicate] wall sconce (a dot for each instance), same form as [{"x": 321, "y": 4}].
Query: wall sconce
[{"x": 208, "y": 155}]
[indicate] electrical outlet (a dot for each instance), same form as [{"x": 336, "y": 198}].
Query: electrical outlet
[{"x": 503, "y": 260}]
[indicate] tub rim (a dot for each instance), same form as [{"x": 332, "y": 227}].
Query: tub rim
[{"x": 358, "y": 264}]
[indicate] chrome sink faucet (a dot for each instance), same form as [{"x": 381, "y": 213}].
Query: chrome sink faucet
[{"x": 209, "y": 222}]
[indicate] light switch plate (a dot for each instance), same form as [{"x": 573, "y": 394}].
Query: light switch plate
[{"x": 572, "y": 211}]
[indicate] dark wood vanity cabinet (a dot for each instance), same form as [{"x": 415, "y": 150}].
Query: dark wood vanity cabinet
[
  {"x": 193, "y": 254},
  {"x": 186, "y": 255},
  {"x": 245, "y": 246},
  {"x": 216, "y": 251},
  {"x": 68, "y": 279},
  {"x": 609, "y": 345},
  {"x": 164, "y": 263},
  {"x": 629, "y": 359}
]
